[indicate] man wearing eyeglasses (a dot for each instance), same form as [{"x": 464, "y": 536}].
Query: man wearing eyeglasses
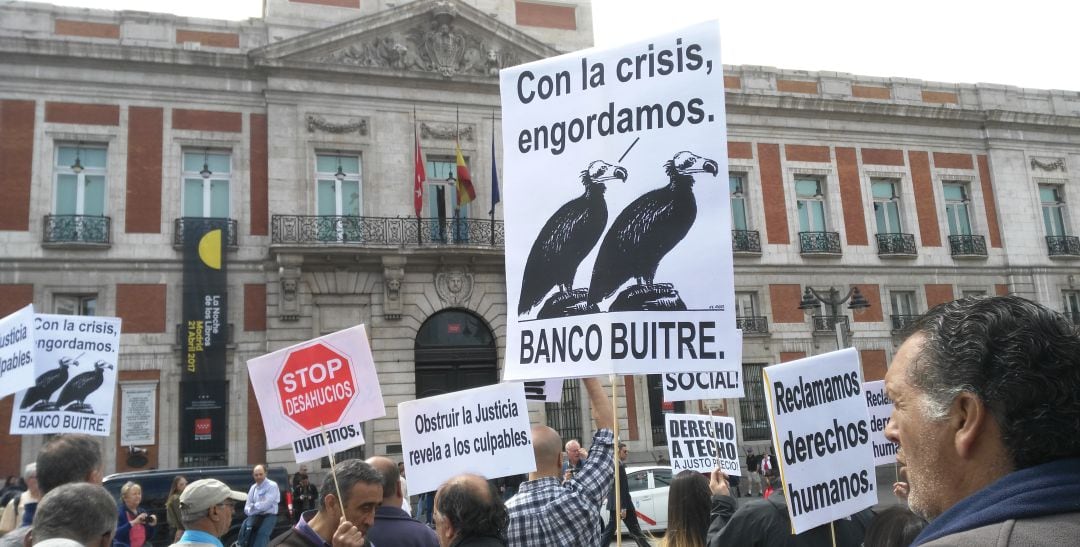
[{"x": 206, "y": 509}]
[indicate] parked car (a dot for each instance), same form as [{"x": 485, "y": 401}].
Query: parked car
[
  {"x": 649, "y": 490},
  {"x": 155, "y": 489}
]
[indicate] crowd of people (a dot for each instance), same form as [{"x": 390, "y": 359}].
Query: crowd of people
[{"x": 987, "y": 416}]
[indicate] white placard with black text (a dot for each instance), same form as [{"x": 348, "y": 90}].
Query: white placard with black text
[
  {"x": 17, "y": 351},
  {"x": 880, "y": 407},
  {"x": 695, "y": 386},
  {"x": 700, "y": 442}
]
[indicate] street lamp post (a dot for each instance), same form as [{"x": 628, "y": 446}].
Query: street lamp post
[{"x": 831, "y": 298}]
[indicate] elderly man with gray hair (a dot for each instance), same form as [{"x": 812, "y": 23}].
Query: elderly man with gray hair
[
  {"x": 206, "y": 509},
  {"x": 20, "y": 510},
  {"x": 74, "y": 515}
]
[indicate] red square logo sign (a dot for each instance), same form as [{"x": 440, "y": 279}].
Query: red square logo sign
[
  {"x": 453, "y": 328},
  {"x": 202, "y": 428}
]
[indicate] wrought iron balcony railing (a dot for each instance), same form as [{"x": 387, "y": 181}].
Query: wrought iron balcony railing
[
  {"x": 826, "y": 324},
  {"x": 751, "y": 325},
  {"x": 1063, "y": 245},
  {"x": 77, "y": 230},
  {"x": 896, "y": 245},
  {"x": 385, "y": 231},
  {"x": 180, "y": 223},
  {"x": 746, "y": 241},
  {"x": 967, "y": 246},
  {"x": 819, "y": 243},
  {"x": 901, "y": 322}
]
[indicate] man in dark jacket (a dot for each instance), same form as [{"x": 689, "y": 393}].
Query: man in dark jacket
[
  {"x": 341, "y": 523},
  {"x": 627, "y": 513},
  {"x": 393, "y": 526},
  {"x": 305, "y": 496},
  {"x": 469, "y": 512}
]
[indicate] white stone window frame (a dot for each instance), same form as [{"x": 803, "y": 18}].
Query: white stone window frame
[
  {"x": 91, "y": 136},
  {"x": 105, "y": 297},
  {"x": 1062, "y": 184},
  {"x": 976, "y": 203},
  {"x": 196, "y": 141},
  {"x": 237, "y": 170},
  {"x": 753, "y": 201},
  {"x": 830, "y": 192},
  {"x": 905, "y": 197},
  {"x": 313, "y": 175}
]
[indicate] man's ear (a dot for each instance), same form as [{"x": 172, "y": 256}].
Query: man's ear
[
  {"x": 969, "y": 420},
  {"x": 330, "y": 502},
  {"x": 106, "y": 539},
  {"x": 397, "y": 491},
  {"x": 28, "y": 539}
]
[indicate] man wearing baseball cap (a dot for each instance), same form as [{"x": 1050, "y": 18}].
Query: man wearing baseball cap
[{"x": 206, "y": 509}]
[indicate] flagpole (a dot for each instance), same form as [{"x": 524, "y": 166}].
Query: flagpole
[
  {"x": 491, "y": 213},
  {"x": 457, "y": 141},
  {"x": 416, "y": 144}
]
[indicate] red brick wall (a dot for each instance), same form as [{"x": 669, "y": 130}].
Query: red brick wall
[
  {"x": 732, "y": 82},
  {"x": 874, "y": 364},
  {"x": 802, "y": 152},
  {"x": 989, "y": 202},
  {"x": 260, "y": 182},
  {"x": 942, "y": 97},
  {"x": 86, "y": 29},
  {"x": 212, "y": 39},
  {"x": 926, "y": 205},
  {"x": 13, "y": 298},
  {"x": 85, "y": 114},
  {"x": 152, "y": 451},
  {"x": 847, "y": 166},
  {"x": 631, "y": 408},
  {"x": 16, "y": 164},
  {"x": 1001, "y": 289},
  {"x": 145, "y": 138},
  {"x": 207, "y": 120},
  {"x": 878, "y": 156},
  {"x": 938, "y": 294},
  {"x": 544, "y": 15},
  {"x": 740, "y": 150},
  {"x": 786, "y": 356},
  {"x": 870, "y": 92},
  {"x": 949, "y": 160},
  {"x": 873, "y": 314},
  {"x": 796, "y": 86},
  {"x": 256, "y": 435},
  {"x": 255, "y": 307},
  {"x": 772, "y": 185},
  {"x": 141, "y": 307},
  {"x": 785, "y": 301}
]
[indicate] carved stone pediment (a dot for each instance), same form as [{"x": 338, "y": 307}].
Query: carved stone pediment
[{"x": 437, "y": 38}]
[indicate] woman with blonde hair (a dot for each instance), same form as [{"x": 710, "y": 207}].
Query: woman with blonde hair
[
  {"x": 688, "y": 510},
  {"x": 134, "y": 525}
]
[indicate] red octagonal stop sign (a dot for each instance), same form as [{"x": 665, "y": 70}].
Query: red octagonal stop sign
[{"x": 315, "y": 386}]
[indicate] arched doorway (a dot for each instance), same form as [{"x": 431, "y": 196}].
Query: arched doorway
[{"x": 454, "y": 350}]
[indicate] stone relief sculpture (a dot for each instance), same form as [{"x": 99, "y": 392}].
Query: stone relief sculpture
[
  {"x": 454, "y": 285},
  {"x": 318, "y": 123},
  {"x": 392, "y": 305},
  {"x": 1048, "y": 164},
  {"x": 289, "y": 278},
  {"x": 446, "y": 132}
]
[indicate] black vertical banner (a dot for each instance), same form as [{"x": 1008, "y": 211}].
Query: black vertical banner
[{"x": 204, "y": 392}]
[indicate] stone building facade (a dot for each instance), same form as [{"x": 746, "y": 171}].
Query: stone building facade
[{"x": 914, "y": 192}]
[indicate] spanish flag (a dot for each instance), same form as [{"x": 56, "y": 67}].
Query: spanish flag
[{"x": 465, "y": 191}]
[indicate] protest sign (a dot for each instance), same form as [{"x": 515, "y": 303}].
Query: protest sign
[
  {"x": 701, "y": 442},
  {"x": 880, "y": 407},
  {"x": 483, "y": 430},
  {"x": 326, "y": 383},
  {"x": 610, "y": 154},
  {"x": 314, "y": 446},
  {"x": 690, "y": 386},
  {"x": 547, "y": 391},
  {"x": 64, "y": 399},
  {"x": 822, "y": 433},
  {"x": 17, "y": 351}
]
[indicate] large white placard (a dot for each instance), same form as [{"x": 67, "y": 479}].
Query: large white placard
[
  {"x": 315, "y": 446},
  {"x": 483, "y": 430},
  {"x": 701, "y": 442},
  {"x": 321, "y": 384},
  {"x": 618, "y": 247},
  {"x": 691, "y": 386},
  {"x": 138, "y": 414},
  {"x": 17, "y": 351},
  {"x": 75, "y": 386},
  {"x": 822, "y": 430},
  {"x": 547, "y": 391},
  {"x": 880, "y": 407}
]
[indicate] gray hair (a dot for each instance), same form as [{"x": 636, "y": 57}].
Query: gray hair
[
  {"x": 78, "y": 511},
  {"x": 67, "y": 458},
  {"x": 1019, "y": 358},
  {"x": 349, "y": 473},
  {"x": 30, "y": 470}
]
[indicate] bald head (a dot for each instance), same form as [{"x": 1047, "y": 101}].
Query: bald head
[
  {"x": 547, "y": 448},
  {"x": 468, "y": 506},
  {"x": 391, "y": 485}
]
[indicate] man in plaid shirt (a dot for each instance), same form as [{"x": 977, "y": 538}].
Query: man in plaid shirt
[{"x": 549, "y": 512}]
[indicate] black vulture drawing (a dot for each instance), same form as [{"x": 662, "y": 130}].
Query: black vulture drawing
[
  {"x": 643, "y": 233},
  {"x": 73, "y": 396},
  {"x": 564, "y": 241},
  {"x": 38, "y": 395}
]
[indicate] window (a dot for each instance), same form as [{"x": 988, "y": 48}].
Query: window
[
  {"x": 755, "y": 420},
  {"x": 338, "y": 185},
  {"x": 442, "y": 200},
  {"x": 811, "y": 205},
  {"x": 1072, "y": 305},
  {"x": 903, "y": 302},
  {"x": 80, "y": 180},
  {"x": 75, "y": 304},
  {"x": 638, "y": 480},
  {"x": 737, "y": 182},
  {"x": 956, "y": 208},
  {"x": 746, "y": 304},
  {"x": 971, "y": 292},
  {"x": 661, "y": 478},
  {"x": 886, "y": 206},
  {"x": 206, "y": 184},
  {"x": 1053, "y": 209}
]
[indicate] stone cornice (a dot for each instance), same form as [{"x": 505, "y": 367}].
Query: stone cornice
[{"x": 94, "y": 51}]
